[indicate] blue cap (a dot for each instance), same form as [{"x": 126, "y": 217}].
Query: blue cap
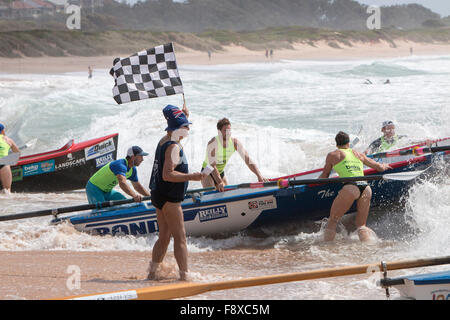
[
  {"x": 1, "y": 127},
  {"x": 175, "y": 118},
  {"x": 136, "y": 151}
]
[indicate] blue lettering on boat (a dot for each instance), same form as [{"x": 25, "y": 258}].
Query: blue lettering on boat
[{"x": 141, "y": 228}]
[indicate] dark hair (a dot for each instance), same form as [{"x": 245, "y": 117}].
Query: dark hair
[
  {"x": 342, "y": 138},
  {"x": 223, "y": 122}
]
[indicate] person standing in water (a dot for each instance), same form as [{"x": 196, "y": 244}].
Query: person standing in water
[
  {"x": 168, "y": 184},
  {"x": 349, "y": 163},
  {"x": 6, "y": 144}
]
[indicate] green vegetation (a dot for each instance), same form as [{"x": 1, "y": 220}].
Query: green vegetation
[{"x": 34, "y": 43}]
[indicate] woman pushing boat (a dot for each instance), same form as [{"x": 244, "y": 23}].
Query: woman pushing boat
[
  {"x": 168, "y": 184},
  {"x": 350, "y": 163}
]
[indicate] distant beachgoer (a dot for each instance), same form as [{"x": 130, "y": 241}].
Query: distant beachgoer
[
  {"x": 349, "y": 163},
  {"x": 219, "y": 150},
  {"x": 267, "y": 53},
  {"x": 168, "y": 183},
  {"x": 209, "y": 54},
  {"x": 6, "y": 144},
  {"x": 271, "y": 53},
  {"x": 89, "y": 72},
  {"x": 100, "y": 186},
  {"x": 411, "y": 50}
]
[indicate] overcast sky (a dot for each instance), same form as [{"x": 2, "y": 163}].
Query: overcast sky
[{"x": 441, "y": 7}]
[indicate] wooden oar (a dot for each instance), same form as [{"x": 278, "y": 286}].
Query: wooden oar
[
  {"x": 57, "y": 211},
  {"x": 180, "y": 290},
  {"x": 10, "y": 159},
  {"x": 417, "y": 151}
]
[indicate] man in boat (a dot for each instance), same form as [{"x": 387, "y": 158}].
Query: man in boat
[
  {"x": 219, "y": 150},
  {"x": 168, "y": 183},
  {"x": 6, "y": 144},
  {"x": 100, "y": 186},
  {"x": 349, "y": 163},
  {"x": 387, "y": 141}
]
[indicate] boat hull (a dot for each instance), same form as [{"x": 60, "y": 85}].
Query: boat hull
[{"x": 66, "y": 169}]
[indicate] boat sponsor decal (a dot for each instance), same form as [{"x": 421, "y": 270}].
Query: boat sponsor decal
[
  {"x": 326, "y": 193},
  {"x": 101, "y": 161},
  {"x": 441, "y": 294},
  {"x": 131, "y": 228},
  {"x": 17, "y": 174},
  {"x": 38, "y": 168},
  {"x": 100, "y": 149},
  {"x": 123, "y": 295},
  {"x": 213, "y": 213},
  {"x": 73, "y": 160},
  {"x": 262, "y": 204}
]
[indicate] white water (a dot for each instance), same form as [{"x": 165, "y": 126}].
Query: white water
[{"x": 286, "y": 114}]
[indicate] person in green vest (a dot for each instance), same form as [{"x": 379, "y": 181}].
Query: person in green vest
[
  {"x": 6, "y": 144},
  {"x": 350, "y": 163},
  {"x": 100, "y": 186},
  {"x": 219, "y": 151},
  {"x": 388, "y": 141}
]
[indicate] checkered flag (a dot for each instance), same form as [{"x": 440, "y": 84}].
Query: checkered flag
[{"x": 147, "y": 74}]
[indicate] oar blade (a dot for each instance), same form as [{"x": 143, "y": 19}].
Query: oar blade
[
  {"x": 10, "y": 159},
  {"x": 403, "y": 176}
]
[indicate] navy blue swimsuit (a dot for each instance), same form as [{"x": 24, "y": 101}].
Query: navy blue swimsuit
[{"x": 161, "y": 190}]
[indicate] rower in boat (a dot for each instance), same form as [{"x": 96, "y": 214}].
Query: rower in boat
[
  {"x": 100, "y": 186},
  {"x": 6, "y": 144},
  {"x": 349, "y": 163},
  {"x": 387, "y": 141},
  {"x": 219, "y": 151}
]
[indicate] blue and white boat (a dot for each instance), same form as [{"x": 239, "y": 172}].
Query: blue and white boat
[
  {"x": 429, "y": 286},
  {"x": 216, "y": 213}
]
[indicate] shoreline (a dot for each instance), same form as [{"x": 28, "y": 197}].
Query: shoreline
[{"x": 231, "y": 55}]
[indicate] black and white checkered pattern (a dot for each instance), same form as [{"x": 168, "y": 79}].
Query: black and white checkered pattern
[{"x": 147, "y": 74}]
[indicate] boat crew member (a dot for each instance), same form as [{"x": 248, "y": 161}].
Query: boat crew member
[
  {"x": 349, "y": 163},
  {"x": 6, "y": 144},
  {"x": 387, "y": 141},
  {"x": 219, "y": 150},
  {"x": 100, "y": 186},
  {"x": 168, "y": 185}
]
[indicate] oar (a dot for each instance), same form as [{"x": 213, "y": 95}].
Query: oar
[
  {"x": 283, "y": 183},
  {"x": 417, "y": 151},
  {"x": 57, "y": 211},
  {"x": 181, "y": 290},
  {"x": 10, "y": 159},
  {"x": 356, "y": 140},
  {"x": 30, "y": 144}
]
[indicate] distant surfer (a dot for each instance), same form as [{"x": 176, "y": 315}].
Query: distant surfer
[
  {"x": 6, "y": 144},
  {"x": 350, "y": 163},
  {"x": 387, "y": 81},
  {"x": 368, "y": 81},
  {"x": 219, "y": 151}
]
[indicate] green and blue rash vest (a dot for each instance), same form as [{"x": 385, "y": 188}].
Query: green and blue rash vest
[
  {"x": 222, "y": 154},
  {"x": 351, "y": 166},
  {"x": 4, "y": 146},
  {"x": 106, "y": 178}
]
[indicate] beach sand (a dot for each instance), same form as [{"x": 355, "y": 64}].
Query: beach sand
[{"x": 232, "y": 54}]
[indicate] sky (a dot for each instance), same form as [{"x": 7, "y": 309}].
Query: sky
[{"x": 441, "y": 7}]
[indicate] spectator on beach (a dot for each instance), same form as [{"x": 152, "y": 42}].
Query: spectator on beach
[
  {"x": 6, "y": 144},
  {"x": 219, "y": 150},
  {"x": 271, "y": 53},
  {"x": 267, "y": 53},
  {"x": 89, "y": 72},
  {"x": 209, "y": 55},
  {"x": 168, "y": 183},
  {"x": 349, "y": 163},
  {"x": 100, "y": 186}
]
